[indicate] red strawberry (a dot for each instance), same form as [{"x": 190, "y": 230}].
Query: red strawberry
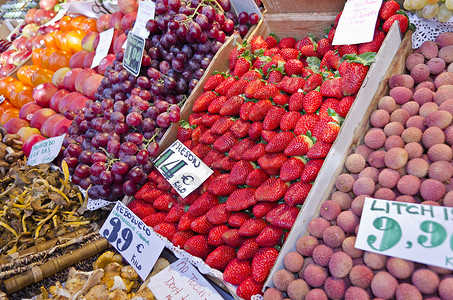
[
  {"x": 213, "y": 156},
  {"x": 218, "y": 214},
  {"x": 331, "y": 88},
  {"x": 344, "y": 105},
  {"x": 154, "y": 219},
  {"x": 195, "y": 119},
  {"x": 299, "y": 145},
  {"x": 343, "y": 68},
  {"x": 148, "y": 192},
  {"x": 306, "y": 72},
  {"x": 241, "y": 199},
  {"x": 262, "y": 208},
  {"x": 220, "y": 257},
  {"x": 237, "y": 219},
  {"x": 289, "y": 53},
  {"x": 259, "y": 110},
  {"x": 231, "y": 106},
  {"x": 248, "y": 288},
  {"x": 204, "y": 203},
  {"x": 309, "y": 50},
  {"x": 237, "y": 271},
  {"x": 291, "y": 85},
  {"x": 286, "y": 219},
  {"x": 209, "y": 119},
  {"x": 215, "y": 235},
  {"x": 224, "y": 164},
  {"x": 331, "y": 34},
  {"x": 215, "y": 105},
  {"x": 323, "y": 46},
  {"x": 240, "y": 171},
  {"x": 248, "y": 249},
  {"x": 232, "y": 238},
  {"x": 256, "y": 177},
  {"x": 271, "y": 41},
  {"x": 260, "y": 61},
  {"x": 276, "y": 211},
  {"x": 225, "y": 85},
  {"x": 245, "y": 110},
  {"x": 220, "y": 186},
  {"x": 353, "y": 79},
  {"x": 262, "y": 263},
  {"x": 184, "y": 131},
  {"x": 255, "y": 130},
  {"x": 271, "y": 190},
  {"x": 347, "y": 49},
  {"x": 268, "y": 135},
  {"x": 293, "y": 67},
  {"x": 330, "y": 132},
  {"x": 388, "y": 9},
  {"x": 222, "y": 125},
  {"x": 289, "y": 120},
  {"x": 292, "y": 168},
  {"x": 295, "y": 102},
  {"x": 208, "y": 137},
  {"x": 311, "y": 170},
  {"x": 328, "y": 108},
  {"x": 225, "y": 142},
  {"x": 252, "y": 227},
  {"x": 240, "y": 128},
  {"x": 312, "y": 101},
  {"x": 185, "y": 221},
  {"x": 202, "y": 102},
  {"x": 287, "y": 42},
  {"x": 333, "y": 60},
  {"x": 280, "y": 142},
  {"x": 337, "y": 19},
  {"x": 270, "y": 236},
  {"x": 258, "y": 44},
  {"x": 164, "y": 202},
  {"x": 241, "y": 67},
  {"x": 237, "y": 150},
  {"x": 251, "y": 75},
  {"x": 274, "y": 76},
  {"x": 167, "y": 230},
  {"x": 273, "y": 116},
  {"x": 235, "y": 54},
  {"x": 314, "y": 81},
  {"x": 175, "y": 213},
  {"x": 196, "y": 133},
  {"x": 266, "y": 92},
  {"x": 281, "y": 99},
  {"x": 308, "y": 40},
  {"x": 272, "y": 162},
  {"x": 142, "y": 209},
  {"x": 201, "y": 225},
  {"x": 213, "y": 82},
  {"x": 297, "y": 193},
  {"x": 237, "y": 89},
  {"x": 375, "y": 44},
  {"x": 197, "y": 245},
  {"x": 319, "y": 150},
  {"x": 180, "y": 238},
  {"x": 253, "y": 87}
]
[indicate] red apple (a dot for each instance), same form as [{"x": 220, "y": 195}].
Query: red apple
[
  {"x": 38, "y": 16},
  {"x": 47, "y": 15},
  {"x": 88, "y": 60},
  {"x": 29, "y": 17},
  {"x": 128, "y": 20},
  {"x": 47, "y": 4},
  {"x": 102, "y": 23},
  {"x": 64, "y": 103},
  {"x": 118, "y": 44},
  {"x": 115, "y": 20},
  {"x": 58, "y": 77},
  {"x": 25, "y": 132},
  {"x": 6, "y": 70},
  {"x": 40, "y": 116},
  {"x": 38, "y": 41},
  {"x": 88, "y": 41},
  {"x": 126, "y": 6},
  {"x": 61, "y": 127},
  {"x": 43, "y": 92},
  {"x": 78, "y": 103},
  {"x": 76, "y": 60},
  {"x": 28, "y": 144},
  {"x": 26, "y": 112},
  {"x": 4, "y": 56},
  {"x": 21, "y": 57},
  {"x": 56, "y": 98},
  {"x": 91, "y": 85},
  {"x": 49, "y": 124},
  {"x": 69, "y": 79},
  {"x": 82, "y": 77},
  {"x": 13, "y": 125},
  {"x": 105, "y": 62}
]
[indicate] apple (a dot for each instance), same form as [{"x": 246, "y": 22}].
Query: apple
[
  {"x": 115, "y": 20},
  {"x": 56, "y": 98},
  {"x": 49, "y": 124},
  {"x": 21, "y": 57},
  {"x": 82, "y": 77},
  {"x": 52, "y": 28},
  {"x": 41, "y": 31},
  {"x": 61, "y": 127},
  {"x": 118, "y": 44},
  {"x": 25, "y": 132},
  {"x": 128, "y": 20},
  {"x": 102, "y": 23},
  {"x": 105, "y": 62},
  {"x": 43, "y": 92},
  {"x": 13, "y": 125},
  {"x": 88, "y": 60},
  {"x": 38, "y": 15},
  {"x": 90, "y": 86},
  {"x": 29, "y": 17},
  {"x": 88, "y": 41},
  {"x": 126, "y": 6},
  {"x": 47, "y": 4},
  {"x": 40, "y": 116},
  {"x": 69, "y": 79},
  {"x": 30, "y": 141},
  {"x": 37, "y": 42},
  {"x": 77, "y": 58},
  {"x": 47, "y": 15},
  {"x": 58, "y": 77},
  {"x": 26, "y": 112},
  {"x": 30, "y": 30},
  {"x": 6, "y": 70},
  {"x": 4, "y": 56},
  {"x": 78, "y": 103},
  {"x": 64, "y": 103}
]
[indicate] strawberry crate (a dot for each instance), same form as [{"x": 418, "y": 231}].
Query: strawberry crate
[{"x": 288, "y": 6}]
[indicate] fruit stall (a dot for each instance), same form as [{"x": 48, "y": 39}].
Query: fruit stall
[{"x": 226, "y": 149}]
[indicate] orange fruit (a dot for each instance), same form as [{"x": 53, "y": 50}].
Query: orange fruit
[
  {"x": 36, "y": 56},
  {"x": 9, "y": 114},
  {"x": 65, "y": 23},
  {"x": 41, "y": 76},
  {"x": 89, "y": 25},
  {"x": 50, "y": 40},
  {"x": 76, "y": 23},
  {"x": 59, "y": 59},
  {"x": 74, "y": 40},
  {"x": 25, "y": 97},
  {"x": 5, "y": 105},
  {"x": 4, "y": 83},
  {"x": 45, "y": 55}
]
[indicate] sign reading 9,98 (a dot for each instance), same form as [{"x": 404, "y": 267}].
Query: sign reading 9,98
[{"x": 420, "y": 233}]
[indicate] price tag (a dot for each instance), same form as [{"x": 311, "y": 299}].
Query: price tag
[
  {"x": 86, "y": 8},
  {"x": 182, "y": 168},
  {"x": 133, "y": 54},
  {"x": 420, "y": 233},
  {"x": 357, "y": 22},
  {"x": 181, "y": 280},
  {"x": 57, "y": 17},
  {"x": 105, "y": 39},
  {"x": 146, "y": 11},
  {"x": 45, "y": 151},
  {"x": 249, "y": 6},
  {"x": 133, "y": 239}
]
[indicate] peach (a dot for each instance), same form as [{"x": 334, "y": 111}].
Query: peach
[
  {"x": 69, "y": 79},
  {"x": 27, "y": 111},
  {"x": 55, "y": 100},
  {"x": 40, "y": 116},
  {"x": 77, "y": 59},
  {"x": 105, "y": 62},
  {"x": 30, "y": 141},
  {"x": 49, "y": 124},
  {"x": 43, "y": 92},
  {"x": 15, "y": 124},
  {"x": 90, "y": 41},
  {"x": 78, "y": 103},
  {"x": 64, "y": 103},
  {"x": 115, "y": 20},
  {"x": 26, "y": 132},
  {"x": 88, "y": 60},
  {"x": 58, "y": 77},
  {"x": 90, "y": 86},
  {"x": 102, "y": 23},
  {"x": 61, "y": 127},
  {"x": 82, "y": 77}
]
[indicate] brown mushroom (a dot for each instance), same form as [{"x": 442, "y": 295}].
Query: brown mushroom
[{"x": 11, "y": 157}]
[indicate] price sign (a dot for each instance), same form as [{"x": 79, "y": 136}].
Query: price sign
[
  {"x": 105, "y": 39},
  {"x": 182, "y": 168},
  {"x": 133, "y": 239},
  {"x": 146, "y": 11},
  {"x": 45, "y": 151},
  {"x": 421, "y": 233},
  {"x": 133, "y": 54},
  {"x": 181, "y": 280},
  {"x": 57, "y": 17}
]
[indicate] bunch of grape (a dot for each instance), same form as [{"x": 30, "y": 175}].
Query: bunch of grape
[{"x": 442, "y": 10}]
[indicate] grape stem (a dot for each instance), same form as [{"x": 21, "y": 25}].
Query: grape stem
[{"x": 149, "y": 141}]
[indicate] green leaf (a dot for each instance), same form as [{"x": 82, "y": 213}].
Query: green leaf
[
  {"x": 313, "y": 63},
  {"x": 365, "y": 59}
]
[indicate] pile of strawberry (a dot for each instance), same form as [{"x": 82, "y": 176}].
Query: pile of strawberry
[{"x": 265, "y": 129}]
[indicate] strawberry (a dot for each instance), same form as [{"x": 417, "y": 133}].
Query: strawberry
[
  {"x": 180, "y": 237},
  {"x": 215, "y": 105},
  {"x": 235, "y": 54},
  {"x": 232, "y": 238},
  {"x": 225, "y": 85},
  {"x": 142, "y": 209},
  {"x": 295, "y": 102},
  {"x": 148, "y": 192},
  {"x": 259, "y": 110},
  {"x": 337, "y": 19},
  {"x": 215, "y": 235},
  {"x": 201, "y": 225},
  {"x": 241, "y": 67},
  {"x": 266, "y": 92},
  {"x": 289, "y": 120},
  {"x": 204, "y": 203},
  {"x": 374, "y": 45},
  {"x": 291, "y": 85},
  {"x": 245, "y": 110},
  {"x": 272, "y": 162},
  {"x": 241, "y": 199},
  {"x": 251, "y": 75},
  {"x": 240, "y": 128},
  {"x": 237, "y": 150},
  {"x": 213, "y": 82},
  {"x": 185, "y": 221},
  {"x": 308, "y": 40},
  {"x": 293, "y": 67},
  {"x": 388, "y": 9},
  {"x": 237, "y": 271},
  {"x": 286, "y": 219},
  {"x": 220, "y": 257},
  {"x": 297, "y": 193},
  {"x": 323, "y": 46},
  {"x": 240, "y": 171},
  {"x": 280, "y": 142},
  {"x": 287, "y": 42},
  {"x": 222, "y": 125},
  {"x": 260, "y": 209},
  {"x": 312, "y": 82},
  {"x": 262, "y": 263},
  {"x": 248, "y": 249},
  {"x": 237, "y": 219},
  {"x": 218, "y": 214},
  {"x": 175, "y": 213},
  {"x": 209, "y": 119},
  {"x": 164, "y": 202},
  {"x": 319, "y": 150},
  {"x": 260, "y": 61},
  {"x": 268, "y": 135},
  {"x": 202, "y": 102},
  {"x": 231, "y": 106},
  {"x": 167, "y": 230},
  {"x": 292, "y": 168},
  {"x": 255, "y": 130},
  {"x": 271, "y": 190},
  {"x": 331, "y": 34},
  {"x": 312, "y": 101},
  {"x": 319, "y": 127},
  {"x": 258, "y": 44},
  {"x": 281, "y": 99},
  {"x": 274, "y": 77},
  {"x": 184, "y": 131},
  {"x": 271, "y": 41},
  {"x": 196, "y": 133},
  {"x": 253, "y": 87},
  {"x": 197, "y": 245},
  {"x": 344, "y": 105},
  {"x": 252, "y": 227},
  {"x": 355, "y": 74},
  {"x": 343, "y": 68},
  {"x": 289, "y": 53},
  {"x": 347, "y": 49},
  {"x": 311, "y": 170},
  {"x": 271, "y": 52},
  {"x": 224, "y": 164},
  {"x": 237, "y": 89},
  {"x": 272, "y": 119},
  {"x": 248, "y": 288},
  {"x": 276, "y": 211},
  {"x": 331, "y": 88},
  {"x": 208, "y": 137},
  {"x": 299, "y": 145},
  {"x": 220, "y": 186},
  {"x": 332, "y": 59},
  {"x": 213, "y": 156},
  {"x": 330, "y": 132},
  {"x": 256, "y": 177},
  {"x": 328, "y": 108},
  {"x": 225, "y": 142},
  {"x": 204, "y": 186},
  {"x": 270, "y": 236},
  {"x": 309, "y": 50},
  {"x": 306, "y": 72},
  {"x": 154, "y": 219},
  {"x": 195, "y": 118}
]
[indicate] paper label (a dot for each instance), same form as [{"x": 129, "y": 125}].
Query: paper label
[
  {"x": 2, "y": 98},
  {"x": 105, "y": 39},
  {"x": 45, "y": 151},
  {"x": 87, "y": 8},
  {"x": 357, "y": 22},
  {"x": 146, "y": 11},
  {"x": 249, "y": 6},
  {"x": 181, "y": 280},
  {"x": 420, "y": 233},
  {"x": 57, "y": 17},
  {"x": 182, "y": 168},
  {"x": 133, "y": 239},
  {"x": 133, "y": 54}
]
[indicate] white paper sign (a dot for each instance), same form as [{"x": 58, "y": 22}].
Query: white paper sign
[
  {"x": 133, "y": 239},
  {"x": 420, "y": 233},
  {"x": 357, "y": 22},
  {"x": 182, "y": 168},
  {"x": 105, "y": 39},
  {"x": 181, "y": 280},
  {"x": 86, "y": 8},
  {"x": 146, "y": 11},
  {"x": 249, "y": 6},
  {"x": 2, "y": 98},
  {"x": 45, "y": 151},
  {"x": 60, "y": 14}
]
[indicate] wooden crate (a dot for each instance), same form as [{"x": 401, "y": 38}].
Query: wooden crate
[{"x": 301, "y": 6}]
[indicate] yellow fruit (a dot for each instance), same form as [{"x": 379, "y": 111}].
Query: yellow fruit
[
  {"x": 430, "y": 11},
  {"x": 444, "y": 14}
]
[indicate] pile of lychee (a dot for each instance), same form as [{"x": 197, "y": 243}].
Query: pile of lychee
[{"x": 406, "y": 156}]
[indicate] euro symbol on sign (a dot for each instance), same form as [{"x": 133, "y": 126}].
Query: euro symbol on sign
[
  {"x": 139, "y": 248},
  {"x": 187, "y": 179}
]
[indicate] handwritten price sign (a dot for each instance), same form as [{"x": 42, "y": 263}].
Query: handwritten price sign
[
  {"x": 182, "y": 168},
  {"x": 416, "y": 232},
  {"x": 45, "y": 151}
]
